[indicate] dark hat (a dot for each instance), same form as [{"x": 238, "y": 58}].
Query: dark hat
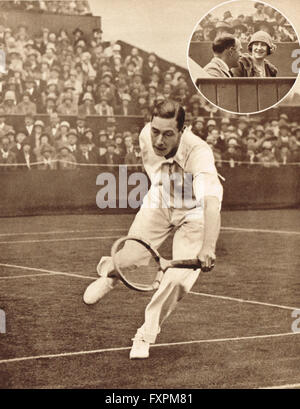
[
  {"x": 97, "y": 30},
  {"x": 258, "y": 4},
  {"x": 77, "y": 30},
  {"x": 84, "y": 140},
  {"x": 46, "y": 148},
  {"x": 238, "y": 24}
]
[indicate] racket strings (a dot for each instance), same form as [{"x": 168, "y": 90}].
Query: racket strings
[{"x": 136, "y": 263}]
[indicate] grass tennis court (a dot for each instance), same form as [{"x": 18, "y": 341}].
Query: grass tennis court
[{"x": 233, "y": 331}]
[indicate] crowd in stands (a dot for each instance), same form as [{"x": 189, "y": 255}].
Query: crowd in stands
[
  {"x": 264, "y": 18},
  {"x": 56, "y": 81},
  {"x": 77, "y": 7},
  {"x": 250, "y": 140}
]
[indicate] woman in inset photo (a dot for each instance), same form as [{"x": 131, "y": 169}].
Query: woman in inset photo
[{"x": 255, "y": 64}]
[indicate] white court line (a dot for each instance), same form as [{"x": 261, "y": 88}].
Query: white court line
[
  {"x": 225, "y": 229},
  {"x": 286, "y": 386},
  {"x": 51, "y": 272},
  {"x": 98, "y": 351},
  {"x": 242, "y": 229},
  {"x": 59, "y": 232},
  {"x": 223, "y": 297},
  {"x": 57, "y": 240},
  {"x": 27, "y": 275}
]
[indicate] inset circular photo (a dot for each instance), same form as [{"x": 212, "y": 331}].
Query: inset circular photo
[{"x": 242, "y": 56}]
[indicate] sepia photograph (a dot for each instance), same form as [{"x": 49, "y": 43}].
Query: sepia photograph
[
  {"x": 149, "y": 197},
  {"x": 238, "y": 40}
]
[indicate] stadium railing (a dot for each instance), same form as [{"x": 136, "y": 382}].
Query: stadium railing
[{"x": 245, "y": 95}]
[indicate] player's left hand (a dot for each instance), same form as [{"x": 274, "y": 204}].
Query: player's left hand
[{"x": 207, "y": 257}]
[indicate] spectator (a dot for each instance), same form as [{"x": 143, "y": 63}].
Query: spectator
[
  {"x": 53, "y": 130},
  {"x": 85, "y": 155},
  {"x": 110, "y": 157},
  {"x": 71, "y": 141},
  {"x": 65, "y": 159},
  {"x": 126, "y": 107},
  {"x": 88, "y": 105},
  {"x": 283, "y": 154},
  {"x": 81, "y": 125},
  {"x": 18, "y": 147},
  {"x": 46, "y": 158},
  {"x": 68, "y": 105},
  {"x": 26, "y": 106},
  {"x": 7, "y": 157},
  {"x": 266, "y": 157},
  {"x": 27, "y": 157},
  {"x": 9, "y": 103},
  {"x": 4, "y": 128},
  {"x": 103, "y": 109}
]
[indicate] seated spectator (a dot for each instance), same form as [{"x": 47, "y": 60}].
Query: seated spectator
[
  {"x": 283, "y": 154},
  {"x": 53, "y": 129},
  {"x": 50, "y": 107},
  {"x": 35, "y": 137},
  {"x": 110, "y": 157},
  {"x": 11, "y": 136},
  {"x": 18, "y": 147},
  {"x": 46, "y": 158},
  {"x": 71, "y": 141},
  {"x": 7, "y": 157},
  {"x": 4, "y": 128},
  {"x": 126, "y": 107},
  {"x": 27, "y": 157},
  {"x": 88, "y": 105},
  {"x": 233, "y": 153},
  {"x": 85, "y": 155},
  {"x": 65, "y": 159},
  {"x": 81, "y": 125},
  {"x": 26, "y": 106},
  {"x": 68, "y": 105},
  {"x": 102, "y": 145},
  {"x": 266, "y": 157},
  {"x": 9, "y": 103},
  {"x": 103, "y": 109},
  {"x": 89, "y": 135}
]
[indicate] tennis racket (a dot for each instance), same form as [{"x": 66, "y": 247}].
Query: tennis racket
[{"x": 144, "y": 277}]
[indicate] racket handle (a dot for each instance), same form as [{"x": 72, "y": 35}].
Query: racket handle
[{"x": 193, "y": 263}]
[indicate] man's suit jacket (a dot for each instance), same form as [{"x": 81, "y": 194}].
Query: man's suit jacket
[{"x": 215, "y": 68}]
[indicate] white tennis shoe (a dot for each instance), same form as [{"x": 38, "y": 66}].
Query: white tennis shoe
[
  {"x": 139, "y": 349},
  {"x": 102, "y": 286}
]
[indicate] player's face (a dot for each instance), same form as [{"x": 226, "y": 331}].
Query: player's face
[{"x": 164, "y": 135}]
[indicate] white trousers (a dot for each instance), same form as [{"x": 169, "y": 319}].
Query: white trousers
[{"x": 154, "y": 225}]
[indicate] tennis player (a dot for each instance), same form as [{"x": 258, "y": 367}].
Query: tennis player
[{"x": 169, "y": 148}]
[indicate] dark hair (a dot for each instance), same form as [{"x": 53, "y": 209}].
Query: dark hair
[
  {"x": 222, "y": 43},
  {"x": 169, "y": 109}
]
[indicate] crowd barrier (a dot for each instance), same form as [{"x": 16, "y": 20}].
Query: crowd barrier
[
  {"x": 95, "y": 122},
  {"x": 245, "y": 95},
  {"x": 38, "y": 192},
  {"x": 36, "y": 21},
  {"x": 201, "y": 53}
]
